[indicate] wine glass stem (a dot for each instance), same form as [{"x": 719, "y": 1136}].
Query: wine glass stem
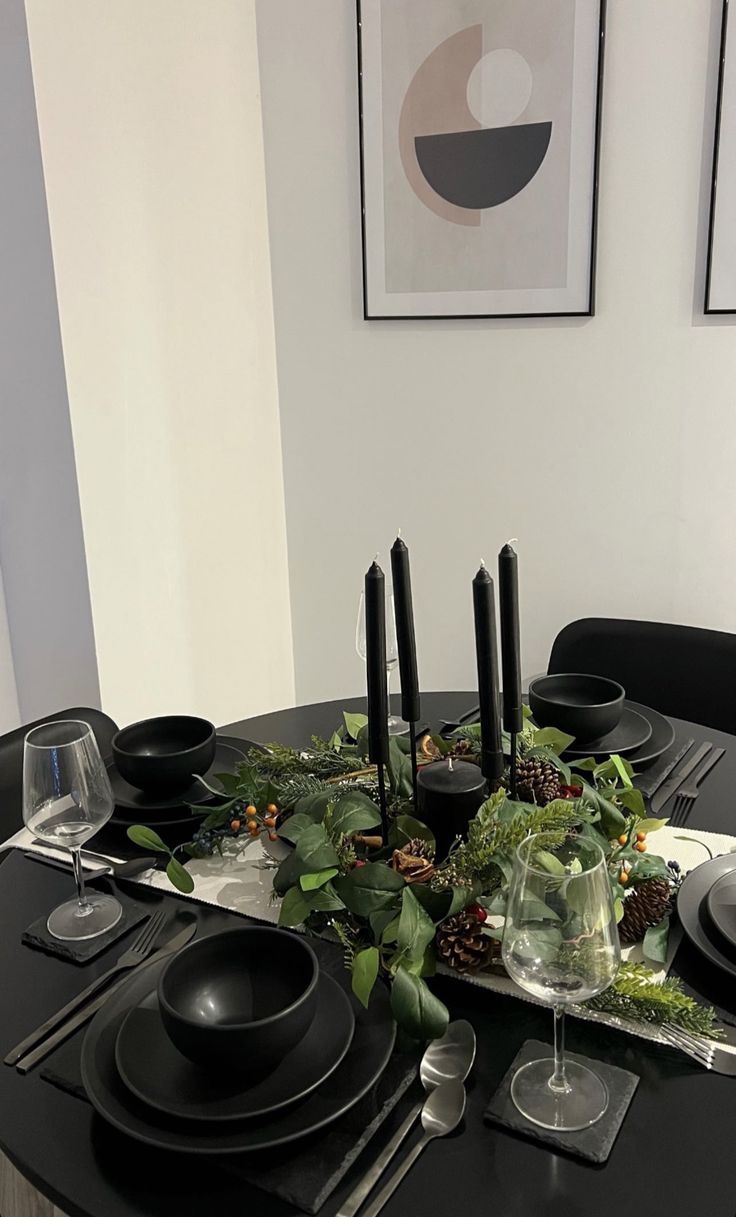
[
  {"x": 79, "y": 878},
  {"x": 559, "y": 1081}
]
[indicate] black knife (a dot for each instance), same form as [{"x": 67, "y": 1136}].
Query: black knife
[{"x": 668, "y": 788}]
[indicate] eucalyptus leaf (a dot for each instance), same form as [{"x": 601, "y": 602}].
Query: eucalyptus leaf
[
  {"x": 533, "y": 909},
  {"x": 139, "y": 834},
  {"x": 549, "y": 862},
  {"x": 354, "y": 723},
  {"x": 314, "y": 849},
  {"x": 416, "y": 928},
  {"x": 651, "y": 825},
  {"x": 550, "y": 737},
  {"x": 354, "y": 812},
  {"x": 633, "y": 800},
  {"x": 325, "y": 900},
  {"x": 179, "y": 876},
  {"x": 366, "y": 889},
  {"x": 310, "y": 882},
  {"x": 295, "y": 908},
  {"x": 415, "y": 1008},
  {"x": 314, "y": 805},
  {"x": 380, "y": 920},
  {"x": 365, "y": 972},
  {"x": 656, "y": 940},
  {"x": 293, "y": 827}
]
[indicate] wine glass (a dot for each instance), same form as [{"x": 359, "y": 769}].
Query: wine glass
[
  {"x": 561, "y": 944},
  {"x": 66, "y": 799},
  {"x": 396, "y": 725}
]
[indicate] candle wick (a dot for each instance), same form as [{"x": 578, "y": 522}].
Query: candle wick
[
  {"x": 482, "y": 564},
  {"x": 449, "y": 764},
  {"x": 399, "y": 534},
  {"x": 513, "y": 541},
  {"x": 377, "y": 556}
]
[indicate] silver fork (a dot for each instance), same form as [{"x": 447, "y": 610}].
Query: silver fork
[
  {"x": 139, "y": 950},
  {"x": 706, "y": 1052},
  {"x": 688, "y": 794}
]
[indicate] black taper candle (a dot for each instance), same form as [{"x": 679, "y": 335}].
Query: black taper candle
[
  {"x": 405, "y": 639},
  {"x": 508, "y": 595},
  {"x": 375, "y": 663},
  {"x": 484, "y": 611}
]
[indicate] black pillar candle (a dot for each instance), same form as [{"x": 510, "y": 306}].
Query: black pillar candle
[
  {"x": 449, "y": 794},
  {"x": 405, "y": 639},
  {"x": 484, "y": 610},
  {"x": 508, "y": 593},
  {"x": 375, "y": 662}
]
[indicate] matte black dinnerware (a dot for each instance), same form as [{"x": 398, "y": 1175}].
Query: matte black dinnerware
[
  {"x": 662, "y": 737},
  {"x": 240, "y": 1000},
  {"x": 365, "y": 1061},
  {"x": 632, "y": 732},
  {"x": 692, "y": 909},
  {"x": 584, "y": 706},
  {"x": 162, "y": 754},
  {"x": 721, "y": 905},
  {"x": 154, "y": 1070},
  {"x": 134, "y": 805}
]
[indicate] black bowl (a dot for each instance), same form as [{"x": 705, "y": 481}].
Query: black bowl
[
  {"x": 161, "y": 754},
  {"x": 584, "y": 706},
  {"x": 240, "y": 1000}
]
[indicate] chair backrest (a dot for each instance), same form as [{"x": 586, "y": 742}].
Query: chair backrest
[
  {"x": 677, "y": 669},
  {"x": 11, "y": 760}
]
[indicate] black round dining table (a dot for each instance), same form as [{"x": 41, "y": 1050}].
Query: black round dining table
[{"x": 674, "y": 1154}]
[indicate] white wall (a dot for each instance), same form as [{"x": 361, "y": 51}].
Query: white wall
[
  {"x": 152, "y": 149},
  {"x": 606, "y": 445},
  {"x": 9, "y": 710}
]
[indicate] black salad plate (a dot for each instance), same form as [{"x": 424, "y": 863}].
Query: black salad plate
[
  {"x": 129, "y": 799},
  {"x": 661, "y": 738},
  {"x": 633, "y": 731},
  {"x": 721, "y": 906},
  {"x": 692, "y": 908},
  {"x": 154, "y": 1070},
  {"x": 361, "y": 1066}
]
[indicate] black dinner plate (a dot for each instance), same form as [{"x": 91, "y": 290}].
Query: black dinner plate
[
  {"x": 362, "y": 1065},
  {"x": 154, "y": 1070},
  {"x": 631, "y": 732},
  {"x": 692, "y": 908},
  {"x": 721, "y": 906},
  {"x": 138, "y": 803},
  {"x": 662, "y": 737}
]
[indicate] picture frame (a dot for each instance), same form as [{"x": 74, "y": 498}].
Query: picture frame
[
  {"x": 480, "y": 127},
  {"x": 720, "y": 275}
]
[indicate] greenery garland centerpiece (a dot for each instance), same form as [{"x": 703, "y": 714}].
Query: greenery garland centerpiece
[{"x": 394, "y": 906}]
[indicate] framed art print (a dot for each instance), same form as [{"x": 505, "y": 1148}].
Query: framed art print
[
  {"x": 720, "y": 285},
  {"x": 479, "y": 156}
]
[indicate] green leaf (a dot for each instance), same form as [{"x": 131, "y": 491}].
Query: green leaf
[
  {"x": 415, "y": 1008},
  {"x": 416, "y": 928},
  {"x": 405, "y": 828},
  {"x": 314, "y": 849},
  {"x": 533, "y": 909},
  {"x": 314, "y": 805},
  {"x": 655, "y": 941},
  {"x": 442, "y": 745},
  {"x": 230, "y": 782},
  {"x": 310, "y": 883},
  {"x": 650, "y": 825},
  {"x": 550, "y": 737},
  {"x": 399, "y": 770},
  {"x": 380, "y": 920},
  {"x": 288, "y": 873},
  {"x": 549, "y": 862},
  {"x": 647, "y": 866},
  {"x": 621, "y": 769},
  {"x": 325, "y": 900},
  {"x": 365, "y": 971},
  {"x": 147, "y": 839},
  {"x": 293, "y": 827},
  {"x": 633, "y": 800},
  {"x": 294, "y": 909},
  {"x": 179, "y": 876},
  {"x": 613, "y": 821},
  {"x": 218, "y": 817},
  {"x": 618, "y": 908},
  {"x": 588, "y": 764},
  {"x": 354, "y": 812},
  {"x": 366, "y": 889},
  {"x": 354, "y": 723},
  {"x": 335, "y": 741}
]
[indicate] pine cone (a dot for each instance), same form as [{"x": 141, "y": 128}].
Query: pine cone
[
  {"x": 461, "y": 943},
  {"x": 537, "y": 781},
  {"x": 645, "y": 906},
  {"x": 414, "y": 861}
]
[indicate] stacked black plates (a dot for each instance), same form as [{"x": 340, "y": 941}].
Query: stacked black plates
[
  {"x": 137, "y": 1080},
  {"x": 706, "y": 904},
  {"x": 642, "y": 735}
]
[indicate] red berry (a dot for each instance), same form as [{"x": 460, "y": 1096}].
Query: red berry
[
  {"x": 477, "y": 911},
  {"x": 358, "y": 862}
]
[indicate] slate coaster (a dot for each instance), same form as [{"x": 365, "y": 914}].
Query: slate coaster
[
  {"x": 37, "y": 935},
  {"x": 594, "y": 1143}
]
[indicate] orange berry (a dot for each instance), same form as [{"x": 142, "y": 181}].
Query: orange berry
[
  {"x": 272, "y": 836},
  {"x": 251, "y": 810},
  {"x": 235, "y": 825},
  {"x": 253, "y": 824},
  {"x": 641, "y": 846},
  {"x": 272, "y": 809},
  {"x": 270, "y": 821},
  {"x": 641, "y": 836},
  {"x": 623, "y": 839},
  {"x": 623, "y": 877}
]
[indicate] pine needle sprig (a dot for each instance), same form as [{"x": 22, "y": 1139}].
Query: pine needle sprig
[{"x": 636, "y": 994}]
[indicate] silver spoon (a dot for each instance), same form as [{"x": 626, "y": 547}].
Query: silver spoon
[
  {"x": 441, "y": 1114},
  {"x": 449, "y": 1058}
]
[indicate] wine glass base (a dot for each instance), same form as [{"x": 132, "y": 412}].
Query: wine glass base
[
  {"x": 74, "y": 922},
  {"x": 397, "y": 726},
  {"x": 578, "y": 1107}
]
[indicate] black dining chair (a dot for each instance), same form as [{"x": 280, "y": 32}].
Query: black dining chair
[
  {"x": 11, "y": 761},
  {"x": 679, "y": 670}
]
